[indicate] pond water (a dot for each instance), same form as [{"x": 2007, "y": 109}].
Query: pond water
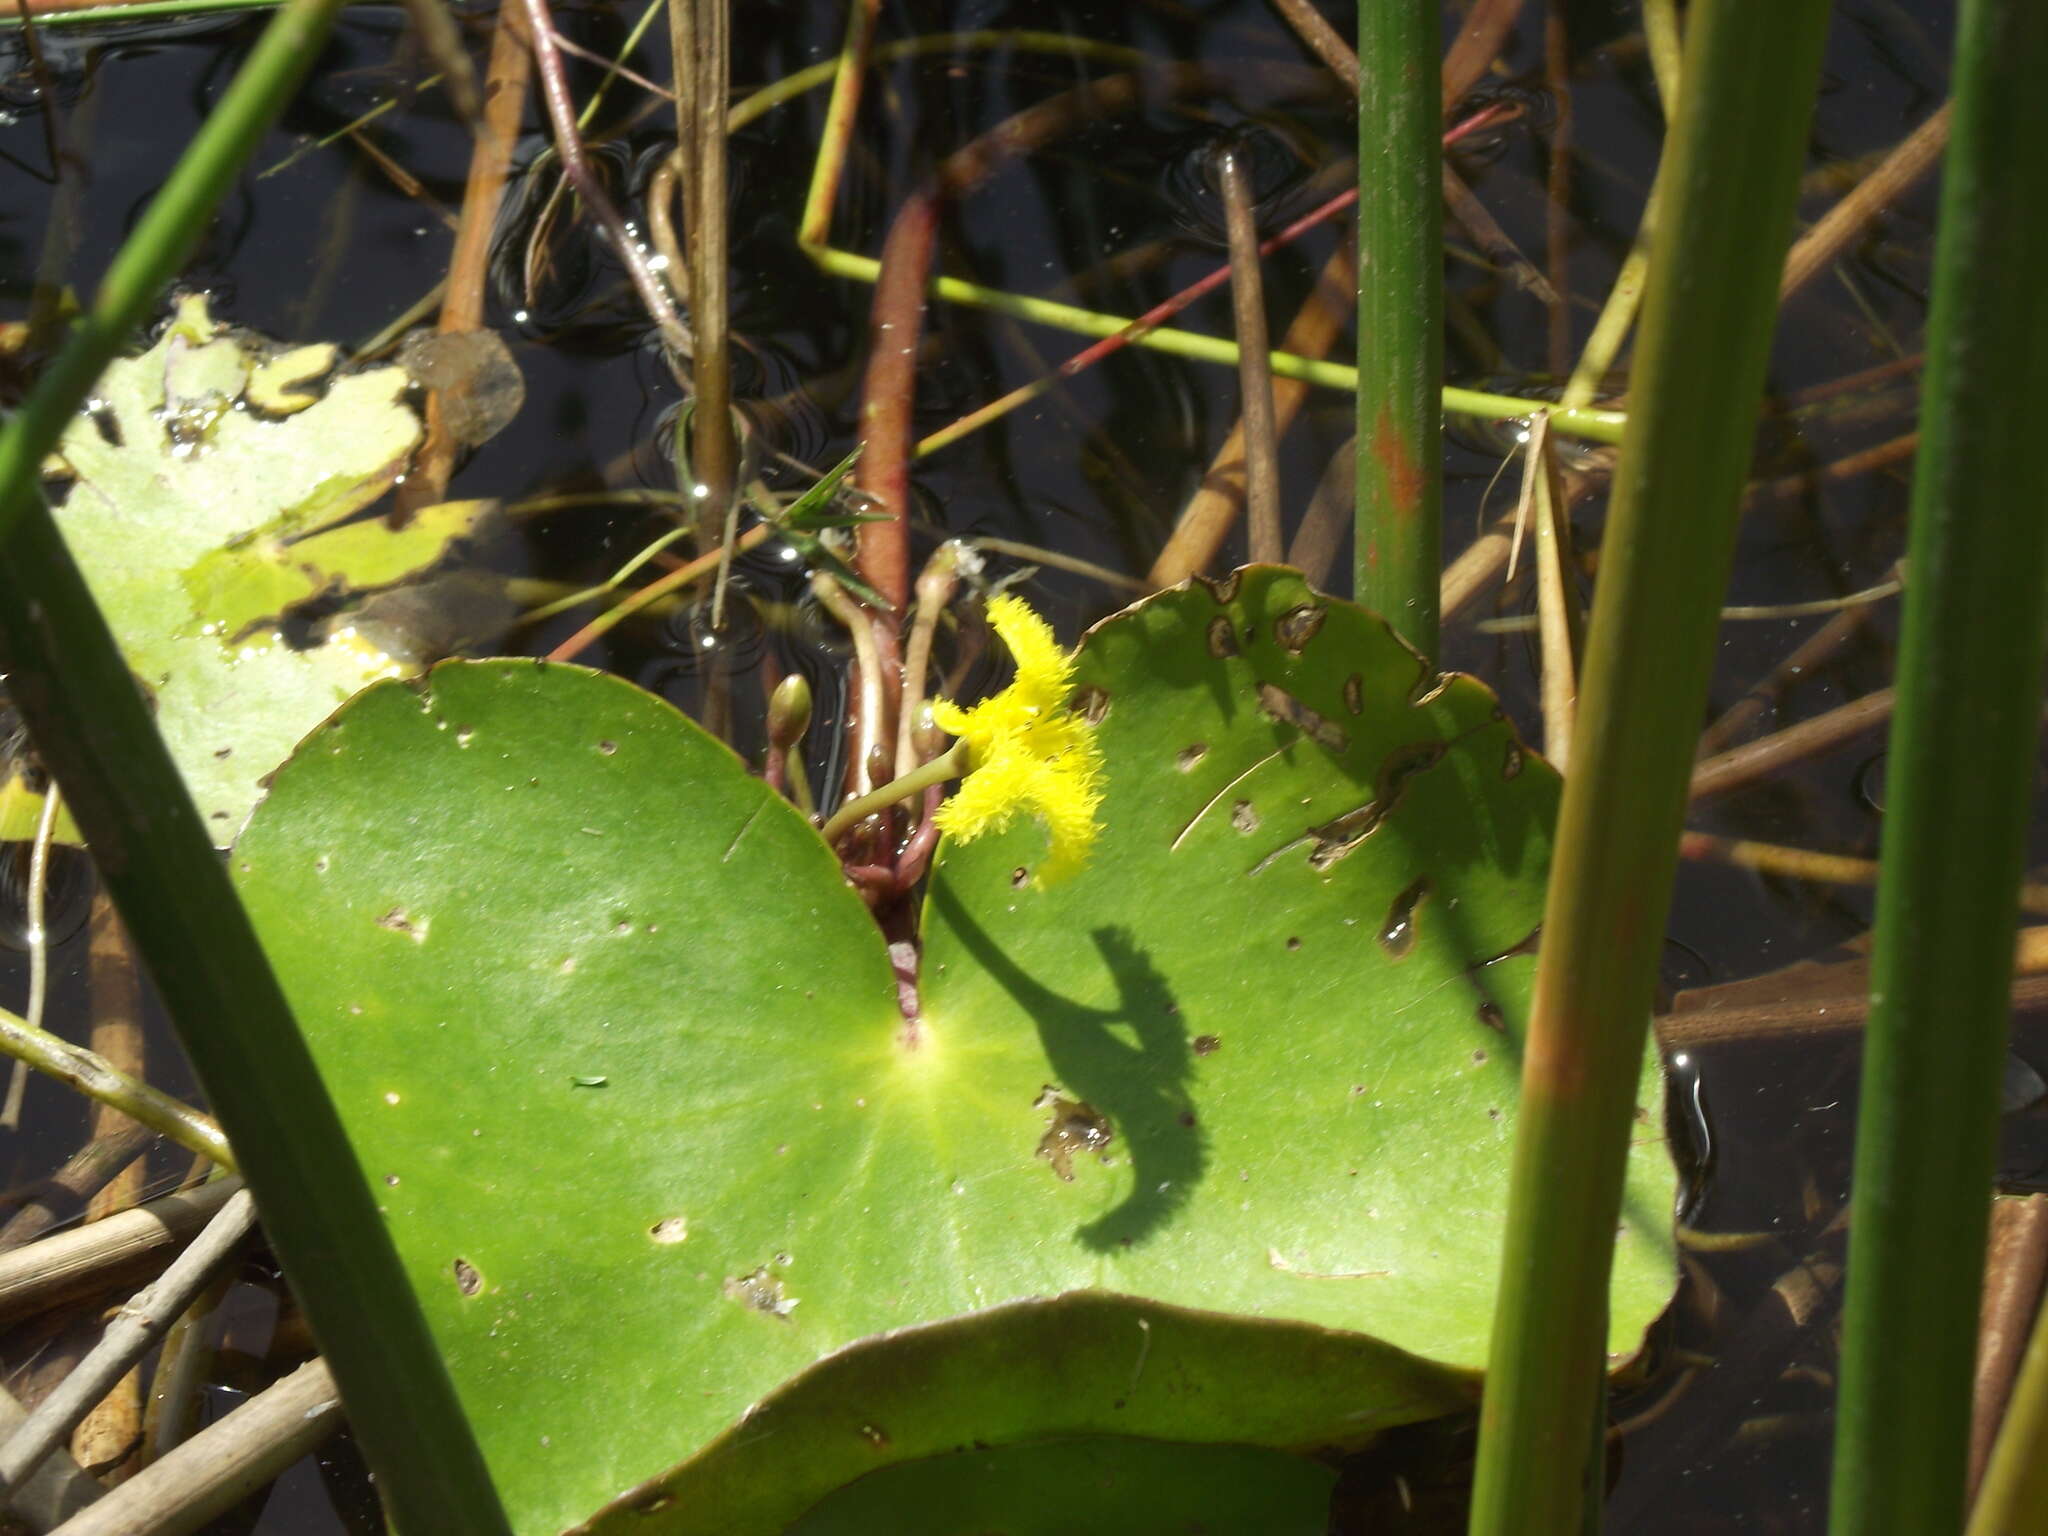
[{"x": 321, "y": 242}]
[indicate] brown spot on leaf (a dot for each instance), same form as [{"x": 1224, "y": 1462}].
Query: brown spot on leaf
[
  {"x": 398, "y": 920},
  {"x": 1222, "y": 638},
  {"x": 1354, "y": 694},
  {"x": 1511, "y": 763},
  {"x": 467, "y": 1280},
  {"x": 1188, "y": 756},
  {"x": 1297, "y": 626},
  {"x": 1286, "y": 708},
  {"x": 1206, "y": 1045},
  {"x": 1244, "y": 816},
  {"x": 1091, "y": 703}
]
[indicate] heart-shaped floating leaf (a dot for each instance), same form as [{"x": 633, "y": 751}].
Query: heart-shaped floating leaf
[
  {"x": 1208, "y": 1143},
  {"x": 190, "y": 468}
]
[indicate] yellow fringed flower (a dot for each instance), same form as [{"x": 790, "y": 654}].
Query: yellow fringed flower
[{"x": 1026, "y": 750}]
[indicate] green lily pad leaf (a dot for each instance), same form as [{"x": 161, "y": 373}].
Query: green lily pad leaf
[
  {"x": 191, "y": 468},
  {"x": 1147, "y": 1168},
  {"x": 1103, "y": 1483},
  {"x": 21, "y": 811},
  {"x": 250, "y": 584},
  {"x": 1279, "y": 1010}
]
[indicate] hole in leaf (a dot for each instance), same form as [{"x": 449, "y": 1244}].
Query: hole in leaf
[
  {"x": 1091, "y": 703},
  {"x": 467, "y": 1280},
  {"x": 1222, "y": 638},
  {"x": 762, "y": 1292},
  {"x": 1397, "y": 936},
  {"x": 1354, "y": 694},
  {"x": 1297, "y": 626},
  {"x": 1244, "y": 816},
  {"x": 1190, "y": 755},
  {"x": 670, "y": 1229},
  {"x": 1076, "y": 1127}
]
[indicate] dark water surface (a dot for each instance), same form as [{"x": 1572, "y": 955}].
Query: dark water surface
[{"x": 328, "y": 247}]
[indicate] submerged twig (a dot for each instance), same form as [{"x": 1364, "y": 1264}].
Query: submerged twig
[
  {"x": 87, "y": 1260},
  {"x": 554, "y": 89},
  {"x": 1913, "y": 158},
  {"x": 83, "y": 1173},
  {"x": 507, "y": 74},
  {"x": 1811, "y": 653},
  {"x": 1754, "y": 760},
  {"x": 218, "y": 1468},
  {"x": 1206, "y": 520},
  {"x": 134, "y": 1329}
]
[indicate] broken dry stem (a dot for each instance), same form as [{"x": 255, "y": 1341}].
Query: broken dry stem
[
  {"x": 1557, "y": 605},
  {"x": 1205, "y": 522},
  {"x": 217, "y": 1469},
  {"x": 135, "y": 1328},
  {"x": 2015, "y": 1264},
  {"x": 1254, "y": 365},
  {"x": 89, "y": 1260},
  {"x": 701, "y": 27},
  {"x": 1812, "y": 653},
  {"x": 1757, "y": 759},
  {"x": 182, "y": 1367},
  {"x": 83, "y": 1174},
  {"x": 1913, "y": 158}
]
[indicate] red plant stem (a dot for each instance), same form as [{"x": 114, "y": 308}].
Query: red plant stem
[
  {"x": 661, "y": 586},
  {"x": 554, "y": 90},
  {"x": 888, "y": 395}
]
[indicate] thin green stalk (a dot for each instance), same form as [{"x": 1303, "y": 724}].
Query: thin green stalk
[
  {"x": 1398, "y": 554},
  {"x": 73, "y": 1065},
  {"x": 1597, "y": 425},
  {"x": 949, "y": 764},
  {"x": 93, "y": 727},
  {"x": 1725, "y": 215},
  {"x": 1958, "y": 792}
]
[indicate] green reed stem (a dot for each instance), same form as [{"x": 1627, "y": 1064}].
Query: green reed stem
[
  {"x": 1398, "y": 555},
  {"x": 93, "y": 727},
  {"x": 1725, "y": 214},
  {"x": 1959, "y": 785}
]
